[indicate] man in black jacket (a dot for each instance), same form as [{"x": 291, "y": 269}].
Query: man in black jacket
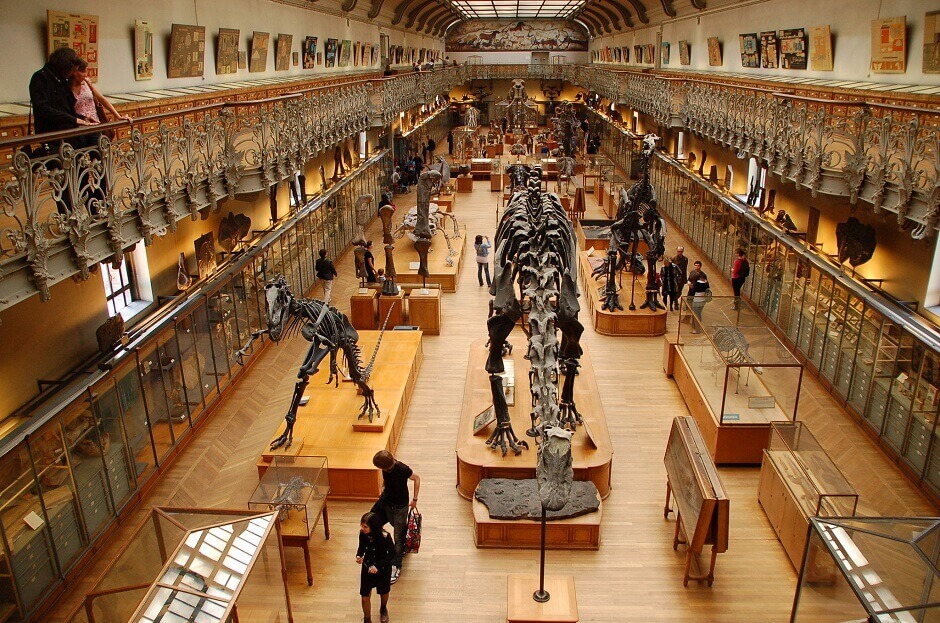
[
  {"x": 51, "y": 95},
  {"x": 325, "y": 271}
]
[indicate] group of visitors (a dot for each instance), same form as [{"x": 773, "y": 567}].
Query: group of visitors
[
  {"x": 674, "y": 276},
  {"x": 380, "y": 555},
  {"x": 407, "y": 174}
]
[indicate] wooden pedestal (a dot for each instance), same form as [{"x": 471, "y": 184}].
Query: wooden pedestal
[
  {"x": 362, "y": 310},
  {"x": 397, "y": 305},
  {"x": 464, "y": 184},
  {"x": 424, "y": 310},
  {"x": 445, "y": 202},
  {"x": 640, "y": 322},
  {"x": 440, "y": 272},
  {"x": 494, "y": 150},
  {"x": 521, "y": 608},
  {"x": 325, "y": 425},
  {"x": 592, "y": 456},
  {"x": 496, "y": 182},
  {"x": 576, "y": 533}
]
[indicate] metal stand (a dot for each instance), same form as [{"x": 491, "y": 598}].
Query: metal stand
[
  {"x": 542, "y": 595},
  {"x": 632, "y": 288}
]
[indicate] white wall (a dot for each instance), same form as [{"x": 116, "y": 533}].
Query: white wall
[
  {"x": 849, "y": 21},
  {"x": 518, "y": 58},
  {"x": 23, "y": 27}
]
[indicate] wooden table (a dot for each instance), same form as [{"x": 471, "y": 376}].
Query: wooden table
[
  {"x": 296, "y": 533},
  {"x": 464, "y": 184},
  {"x": 445, "y": 202},
  {"x": 494, "y": 150},
  {"x": 362, "y": 310},
  {"x": 424, "y": 310},
  {"x": 395, "y": 303}
]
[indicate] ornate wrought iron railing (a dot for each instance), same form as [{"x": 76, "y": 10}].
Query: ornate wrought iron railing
[{"x": 65, "y": 210}]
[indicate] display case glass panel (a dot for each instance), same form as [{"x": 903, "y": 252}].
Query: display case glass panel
[
  {"x": 296, "y": 487},
  {"x": 221, "y": 309},
  {"x": 136, "y": 424},
  {"x": 118, "y": 457},
  {"x": 745, "y": 373},
  {"x": 885, "y": 571},
  {"x": 161, "y": 379},
  {"x": 814, "y": 480},
  {"x": 205, "y": 359}
]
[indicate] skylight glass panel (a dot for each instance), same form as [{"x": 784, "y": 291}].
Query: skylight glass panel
[{"x": 542, "y": 9}]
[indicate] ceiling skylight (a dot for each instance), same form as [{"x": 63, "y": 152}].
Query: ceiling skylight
[{"x": 526, "y": 9}]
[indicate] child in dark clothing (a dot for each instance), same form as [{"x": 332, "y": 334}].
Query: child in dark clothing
[{"x": 376, "y": 553}]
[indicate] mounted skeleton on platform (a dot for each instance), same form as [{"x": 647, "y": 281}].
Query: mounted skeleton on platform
[
  {"x": 422, "y": 223},
  {"x": 329, "y": 332},
  {"x": 637, "y": 219}
]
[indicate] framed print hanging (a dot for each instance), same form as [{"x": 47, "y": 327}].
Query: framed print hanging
[
  {"x": 714, "y": 52},
  {"x": 76, "y": 31},
  {"x": 310, "y": 52},
  {"x": 282, "y": 52},
  {"x": 664, "y": 54},
  {"x": 932, "y": 43},
  {"x": 638, "y": 54},
  {"x": 625, "y": 53},
  {"x": 750, "y": 56},
  {"x": 344, "y": 53},
  {"x": 820, "y": 48},
  {"x": 259, "y": 52},
  {"x": 187, "y": 51},
  {"x": 226, "y": 56},
  {"x": 243, "y": 59},
  {"x": 330, "y": 52},
  {"x": 889, "y": 45},
  {"x": 685, "y": 53},
  {"x": 793, "y": 52},
  {"x": 769, "y": 50},
  {"x": 143, "y": 50}
]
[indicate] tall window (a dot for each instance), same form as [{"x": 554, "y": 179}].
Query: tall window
[{"x": 120, "y": 286}]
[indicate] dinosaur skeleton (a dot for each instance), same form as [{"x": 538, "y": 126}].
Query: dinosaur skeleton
[
  {"x": 329, "y": 332},
  {"x": 289, "y": 497},
  {"x": 733, "y": 346},
  {"x": 637, "y": 219},
  {"x": 422, "y": 222},
  {"x": 518, "y": 108},
  {"x": 536, "y": 250}
]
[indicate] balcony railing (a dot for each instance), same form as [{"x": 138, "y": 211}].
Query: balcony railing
[{"x": 65, "y": 210}]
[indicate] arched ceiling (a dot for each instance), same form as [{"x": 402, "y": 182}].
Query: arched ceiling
[{"x": 601, "y": 17}]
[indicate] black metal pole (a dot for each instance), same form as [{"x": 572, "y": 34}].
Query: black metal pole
[{"x": 542, "y": 595}]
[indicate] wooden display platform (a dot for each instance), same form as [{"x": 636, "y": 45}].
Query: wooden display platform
[
  {"x": 476, "y": 461},
  {"x": 424, "y": 310},
  {"x": 464, "y": 184},
  {"x": 521, "y": 608},
  {"x": 445, "y": 202},
  {"x": 582, "y": 532},
  {"x": 325, "y": 425},
  {"x": 441, "y": 273},
  {"x": 641, "y": 322},
  {"x": 740, "y": 443},
  {"x": 362, "y": 310}
]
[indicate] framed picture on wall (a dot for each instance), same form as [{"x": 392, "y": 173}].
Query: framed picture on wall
[
  {"x": 259, "y": 52},
  {"x": 310, "y": 52},
  {"x": 932, "y": 43},
  {"x": 344, "y": 53},
  {"x": 243, "y": 59},
  {"x": 187, "y": 51},
  {"x": 282, "y": 49},
  {"x": 685, "y": 53},
  {"x": 664, "y": 54},
  {"x": 226, "y": 55},
  {"x": 793, "y": 52},
  {"x": 889, "y": 45},
  {"x": 769, "y": 50},
  {"x": 820, "y": 48},
  {"x": 714, "y": 52},
  {"x": 750, "y": 56},
  {"x": 330, "y": 52},
  {"x": 143, "y": 50},
  {"x": 76, "y": 31},
  {"x": 649, "y": 51},
  {"x": 355, "y": 57}
]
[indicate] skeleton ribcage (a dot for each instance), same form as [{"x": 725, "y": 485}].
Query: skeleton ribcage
[{"x": 732, "y": 345}]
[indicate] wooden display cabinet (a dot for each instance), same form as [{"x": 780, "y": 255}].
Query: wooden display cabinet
[
  {"x": 362, "y": 308},
  {"x": 396, "y": 305},
  {"x": 424, "y": 310},
  {"x": 798, "y": 481}
]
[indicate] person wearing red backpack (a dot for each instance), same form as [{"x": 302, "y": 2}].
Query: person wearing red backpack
[
  {"x": 393, "y": 501},
  {"x": 739, "y": 272}
]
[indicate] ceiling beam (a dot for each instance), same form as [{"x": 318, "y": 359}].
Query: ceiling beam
[
  {"x": 624, "y": 13},
  {"x": 400, "y": 11},
  {"x": 376, "y": 8},
  {"x": 435, "y": 24},
  {"x": 349, "y": 5},
  {"x": 593, "y": 26},
  {"x": 698, "y": 4},
  {"x": 610, "y": 14},
  {"x": 668, "y": 8},
  {"x": 601, "y": 20},
  {"x": 413, "y": 14},
  {"x": 434, "y": 11},
  {"x": 640, "y": 9},
  {"x": 445, "y": 26}
]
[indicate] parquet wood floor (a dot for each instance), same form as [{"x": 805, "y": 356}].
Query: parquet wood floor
[{"x": 635, "y": 576}]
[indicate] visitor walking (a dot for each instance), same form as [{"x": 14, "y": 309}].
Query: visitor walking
[
  {"x": 432, "y": 145},
  {"x": 739, "y": 272},
  {"x": 375, "y": 554},
  {"x": 393, "y": 501},
  {"x": 483, "y": 246},
  {"x": 325, "y": 270},
  {"x": 682, "y": 262},
  {"x": 369, "y": 259},
  {"x": 450, "y": 143},
  {"x": 700, "y": 292}
]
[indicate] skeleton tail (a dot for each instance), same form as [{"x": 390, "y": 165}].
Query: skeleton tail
[{"x": 367, "y": 372}]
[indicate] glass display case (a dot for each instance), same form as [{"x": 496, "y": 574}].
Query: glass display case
[
  {"x": 736, "y": 376},
  {"x": 885, "y": 570},
  {"x": 297, "y": 488},
  {"x": 595, "y": 168},
  {"x": 876, "y": 357},
  {"x": 613, "y": 184},
  {"x": 92, "y": 451},
  {"x": 194, "y": 565}
]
